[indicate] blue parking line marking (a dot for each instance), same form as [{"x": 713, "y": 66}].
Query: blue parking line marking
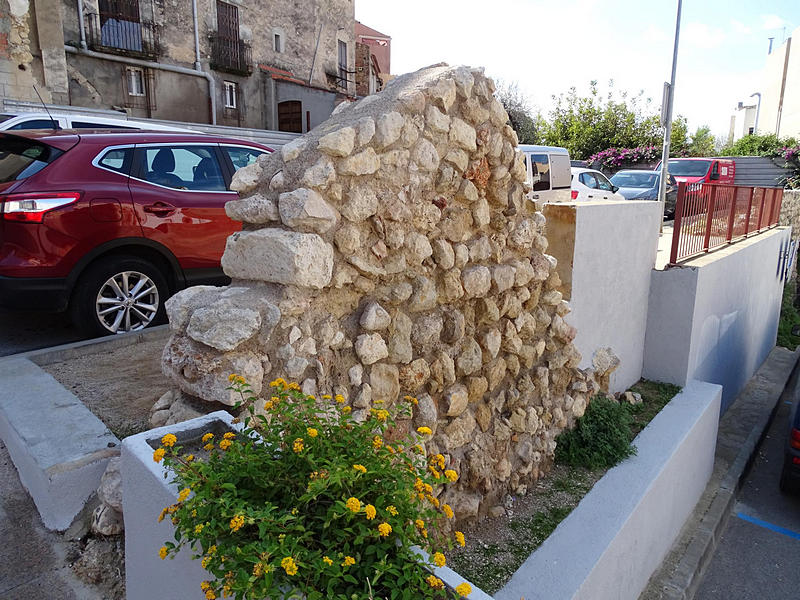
[{"x": 770, "y": 526}]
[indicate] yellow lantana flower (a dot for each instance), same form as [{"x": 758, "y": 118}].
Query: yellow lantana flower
[
  {"x": 229, "y": 435},
  {"x": 169, "y": 440},
  {"x": 327, "y": 560},
  {"x": 348, "y": 560},
  {"x": 424, "y": 430},
  {"x": 289, "y": 565},
  {"x": 208, "y": 447},
  {"x": 184, "y": 494},
  {"x": 464, "y": 589},
  {"x": 225, "y": 444},
  {"x": 439, "y": 559},
  {"x": 448, "y": 512},
  {"x": 451, "y": 475},
  {"x": 158, "y": 454},
  {"x": 370, "y": 511},
  {"x": 462, "y": 541},
  {"x": 377, "y": 442},
  {"x": 207, "y": 437},
  {"x": 237, "y": 522},
  {"x": 312, "y": 433},
  {"x": 360, "y": 468},
  {"x": 435, "y": 582},
  {"x": 162, "y": 552},
  {"x": 297, "y": 446},
  {"x": 353, "y": 504},
  {"x": 384, "y": 529},
  {"x": 391, "y": 510},
  {"x": 339, "y": 398}
]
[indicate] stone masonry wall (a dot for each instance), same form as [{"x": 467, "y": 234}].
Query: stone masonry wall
[
  {"x": 392, "y": 251},
  {"x": 790, "y": 211}
]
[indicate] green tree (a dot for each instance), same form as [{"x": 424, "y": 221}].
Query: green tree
[
  {"x": 702, "y": 143},
  {"x": 520, "y": 114},
  {"x": 679, "y": 138},
  {"x": 588, "y": 124},
  {"x": 758, "y": 145}
]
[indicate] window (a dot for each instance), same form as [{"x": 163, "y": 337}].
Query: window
[
  {"x": 603, "y": 183},
  {"x": 242, "y": 157},
  {"x": 20, "y": 158},
  {"x": 135, "y": 78},
  {"x": 229, "y": 92},
  {"x": 342, "y": 63},
  {"x": 36, "y": 124},
  {"x": 184, "y": 168},
  {"x": 118, "y": 159},
  {"x": 540, "y": 170},
  {"x": 90, "y": 125},
  {"x": 588, "y": 180},
  {"x": 278, "y": 39}
]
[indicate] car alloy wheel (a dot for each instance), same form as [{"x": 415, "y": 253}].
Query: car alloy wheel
[{"x": 127, "y": 301}]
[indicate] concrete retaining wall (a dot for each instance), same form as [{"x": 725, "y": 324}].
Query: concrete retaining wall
[
  {"x": 608, "y": 547},
  {"x": 715, "y": 318},
  {"x": 606, "y": 252}
]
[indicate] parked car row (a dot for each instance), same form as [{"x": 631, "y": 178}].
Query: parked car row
[{"x": 109, "y": 224}]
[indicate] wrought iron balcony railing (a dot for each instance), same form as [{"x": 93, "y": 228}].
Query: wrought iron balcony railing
[
  {"x": 122, "y": 34},
  {"x": 231, "y": 55}
]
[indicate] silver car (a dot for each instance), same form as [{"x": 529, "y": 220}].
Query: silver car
[{"x": 643, "y": 185}]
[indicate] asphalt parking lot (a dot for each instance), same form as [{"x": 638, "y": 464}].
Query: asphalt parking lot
[
  {"x": 23, "y": 331},
  {"x": 759, "y": 552}
]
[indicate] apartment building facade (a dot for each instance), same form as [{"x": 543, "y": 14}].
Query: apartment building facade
[{"x": 265, "y": 64}]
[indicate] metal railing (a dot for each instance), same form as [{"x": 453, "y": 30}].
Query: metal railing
[
  {"x": 233, "y": 56},
  {"x": 708, "y": 216},
  {"x": 122, "y": 34}
]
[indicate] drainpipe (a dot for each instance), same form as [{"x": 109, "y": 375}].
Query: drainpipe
[
  {"x": 146, "y": 64},
  {"x": 197, "y": 64},
  {"x": 81, "y": 24}
]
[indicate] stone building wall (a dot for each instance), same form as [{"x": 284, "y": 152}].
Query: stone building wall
[
  {"x": 393, "y": 251},
  {"x": 790, "y": 212}
]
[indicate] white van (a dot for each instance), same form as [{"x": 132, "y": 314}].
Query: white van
[
  {"x": 12, "y": 121},
  {"x": 549, "y": 173}
]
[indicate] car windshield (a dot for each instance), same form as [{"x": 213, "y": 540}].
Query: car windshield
[
  {"x": 689, "y": 168},
  {"x": 20, "y": 158},
  {"x": 5, "y": 117},
  {"x": 635, "y": 180}
]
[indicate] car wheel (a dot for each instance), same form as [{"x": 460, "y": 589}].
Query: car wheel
[{"x": 118, "y": 295}]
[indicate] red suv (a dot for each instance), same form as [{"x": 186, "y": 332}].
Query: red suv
[{"x": 108, "y": 225}]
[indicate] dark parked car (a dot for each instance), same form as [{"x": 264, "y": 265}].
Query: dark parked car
[
  {"x": 790, "y": 474},
  {"x": 109, "y": 224},
  {"x": 643, "y": 185}
]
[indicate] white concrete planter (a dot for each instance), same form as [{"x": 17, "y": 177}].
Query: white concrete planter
[{"x": 146, "y": 489}]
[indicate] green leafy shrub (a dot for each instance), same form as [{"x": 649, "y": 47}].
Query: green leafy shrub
[
  {"x": 308, "y": 502},
  {"x": 601, "y": 437}
]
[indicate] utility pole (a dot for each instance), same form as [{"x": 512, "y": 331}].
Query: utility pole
[{"x": 666, "y": 116}]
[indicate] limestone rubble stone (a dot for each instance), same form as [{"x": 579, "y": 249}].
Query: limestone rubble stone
[{"x": 392, "y": 251}]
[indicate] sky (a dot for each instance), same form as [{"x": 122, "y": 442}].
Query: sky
[{"x": 546, "y": 47}]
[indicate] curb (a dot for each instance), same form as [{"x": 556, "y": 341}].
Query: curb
[
  {"x": 54, "y": 354},
  {"x": 685, "y": 580}
]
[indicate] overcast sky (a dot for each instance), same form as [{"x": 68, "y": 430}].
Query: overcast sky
[{"x": 549, "y": 46}]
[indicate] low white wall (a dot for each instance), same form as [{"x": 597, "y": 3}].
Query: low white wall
[
  {"x": 612, "y": 256},
  {"x": 716, "y": 318},
  {"x": 608, "y": 547}
]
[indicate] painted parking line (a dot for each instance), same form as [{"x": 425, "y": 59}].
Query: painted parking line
[{"x": 770, "y": 526}]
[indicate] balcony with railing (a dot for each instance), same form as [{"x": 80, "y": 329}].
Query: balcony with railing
[
  {"x": 231, "y": 55},
  {"x": 122, "y": 32}
]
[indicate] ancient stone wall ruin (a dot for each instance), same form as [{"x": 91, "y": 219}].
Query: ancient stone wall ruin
[{"x": 393, "y": 251}]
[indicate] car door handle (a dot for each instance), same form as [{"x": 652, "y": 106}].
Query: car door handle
[
  {"x": 590, "y": 196},
  {"x": 160, "y": 209}
]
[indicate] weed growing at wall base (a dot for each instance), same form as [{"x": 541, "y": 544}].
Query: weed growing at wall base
[{"x": 306, "y": 502}]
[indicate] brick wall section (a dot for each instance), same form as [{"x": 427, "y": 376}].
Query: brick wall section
[
  {"x": 362, "y": 69},
  {"x": 790, "y": 211}
]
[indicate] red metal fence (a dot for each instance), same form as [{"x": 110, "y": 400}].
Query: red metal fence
[{"x": 711, "y": 215}]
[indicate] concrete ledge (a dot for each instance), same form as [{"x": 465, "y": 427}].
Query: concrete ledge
[
  {"x": 618, "y": 535},
  {"x": 59, "y": 448}
]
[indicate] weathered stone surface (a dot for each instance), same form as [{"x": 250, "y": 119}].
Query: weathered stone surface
[
  {"x": 273, "y": 255},
  {"x": 305, "y": 210},
  {"x": 365, "y": 162},
  {"x": 258, "y": 209},
  {"x": 371, "y": 348},
  {"x": 456, "y": 399},
  {"x": 476, "y": 280},
  {"x": 385, "y": 382},
  {"x": 375, "y": 317},
  {"x": 392, "y": 250},
  {"x": 107, "y": 521},
  {"x": 470, "y": 359},
  {"x": 361, "y": 204},
  {"x": 222, "y": 326},
  {"x": 338, "y": 143},
  {"x": 110, "y": 490},
  {"x": 246, "y": 179}
]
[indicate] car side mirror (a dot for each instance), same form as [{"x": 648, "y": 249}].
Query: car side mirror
[{"x": 614, "y": 189}]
